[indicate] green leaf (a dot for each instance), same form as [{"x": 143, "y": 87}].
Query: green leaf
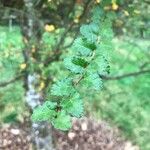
[
  {"x": 63, "y": 87},
  {"x": 91, "y": 46},
  {"x": 99, "y": 64},
  {"x": 71, "y": 66},
  {"x": 92, "y": 81},
  {"x": 44, "y": 112},
  {"x": 105, "y": 46},
  {"x": 50, "y": 105},
  {"x": 62, "y": 122},
  {"x": 106, "y": 30},
  {"x": 80, "y": 62},
  {"x": 90, "y": 32},
  {"x": 103, "y": 65},
  {"x": 73, "y": 106},
  {"x": 97, "y": 14},
  {"x": 81, "y": 48}
]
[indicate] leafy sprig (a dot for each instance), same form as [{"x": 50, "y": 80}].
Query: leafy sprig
[{"x": 85, "y": 66}]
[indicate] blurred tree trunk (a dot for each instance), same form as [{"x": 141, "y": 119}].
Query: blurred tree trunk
[{"x": 41, "y": 132}]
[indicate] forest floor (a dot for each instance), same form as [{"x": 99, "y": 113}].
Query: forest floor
[{"x": 86, "y": 134}]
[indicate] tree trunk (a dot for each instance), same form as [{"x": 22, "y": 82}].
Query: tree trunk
[{"x": 41, "y": 132}]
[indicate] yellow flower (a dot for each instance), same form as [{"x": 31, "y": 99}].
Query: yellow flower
[
  {"x": 76, "y": 20},
  {"x": 98, "y": 1},
  {"x": 49, "y": 28},
  {"x": 42, "y": 85},
  {"x": 23, "y": 66},
  {"x": 114, "y": 6}
]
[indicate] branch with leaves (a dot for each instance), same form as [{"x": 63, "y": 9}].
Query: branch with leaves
[
  {"x": 88, "y": 60},
  {"x": 117, "y": 77}
]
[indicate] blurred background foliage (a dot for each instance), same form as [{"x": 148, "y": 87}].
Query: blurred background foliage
[{"x": 125, "y": 98}]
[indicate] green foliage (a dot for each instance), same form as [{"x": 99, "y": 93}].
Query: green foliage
[
  {"x": 44, "y": 112},
  {"x": 132, "y": 19},
  {"x": 125, "y": 102},
  {"x": 73, "y": 106},
  {"x": 85, "y": 66},
  {"x": 62, "y": 88},
  {"x": 9, "y": 63},
  {"x": 92, "y": 81},
  {"x": 73, "y": 67},
  {"x": 11, "y": 96},
  {"x": 11, "y": 105},
  {"x": 80, "y": 47},
  {"x": 6, "y": 40},
  {"x": 10, "y": 117},
  {"x": 62, "y": 122},
  {"x": 90, "y": 32}
]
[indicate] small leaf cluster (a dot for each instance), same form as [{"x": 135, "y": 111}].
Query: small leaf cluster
[{"x": 85, "y": 66}]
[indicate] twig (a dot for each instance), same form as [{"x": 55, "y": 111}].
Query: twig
[
  {"x": 119, "y": 77},
  {"x": 57, "y": 53},
  {"x": 3, "y": 84},
  {"x": 144, "y": 65}
]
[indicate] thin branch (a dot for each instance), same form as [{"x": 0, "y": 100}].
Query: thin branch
[
  {"x": 147, "y": 1},
  {"x": 57, "y": 53},
  {"x": 3, "y": 84},
  {"x": 119, "y": 77},
  {"x": 144, "y": 65},
  {"x": 82, "y": 17}
]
